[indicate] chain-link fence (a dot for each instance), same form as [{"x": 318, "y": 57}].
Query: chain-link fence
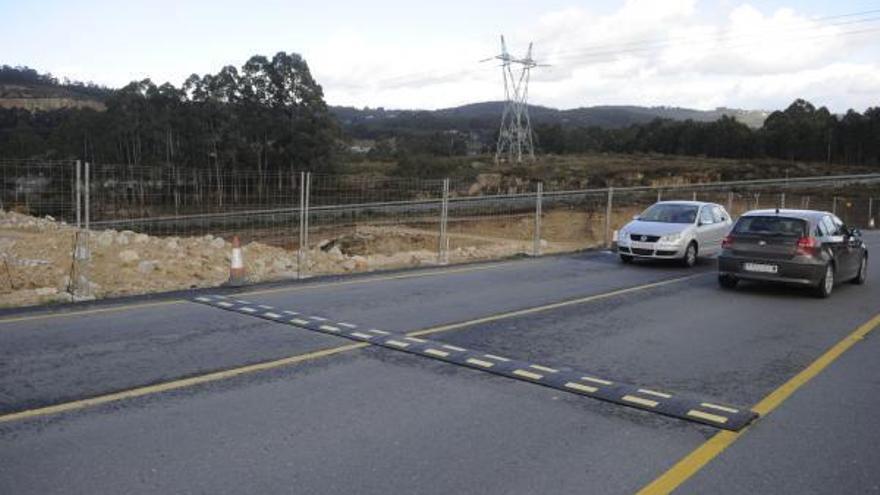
[{"x": 133, "y": 229}]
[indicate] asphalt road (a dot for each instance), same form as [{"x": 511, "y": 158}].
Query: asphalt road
[{"x": 371, "y": 420}]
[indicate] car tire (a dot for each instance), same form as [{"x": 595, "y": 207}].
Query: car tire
[
  {"x": 690, "y": 256},
  {"x": 727, "y": 281},
  {"x": 826, "y": 283},
  {"x": 863, "y": 272},
  {"x": 626, "y": 258}
]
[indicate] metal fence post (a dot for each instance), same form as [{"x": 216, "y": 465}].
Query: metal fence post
[
  {"x": 834, "y": 205},
  {"x": 782, "y": 200},
  {"x": 694, "y": 196},
  {"x": 78, "y": 194},
  {"x": 659, "y": 195},
  {"x": 536, "y": 249},
  {"x": 870, "y": 213},
  {"x": 302, "y": 255},
  {"x": 730, "y": 203},
  {"x": 443, "y": 242},
  {"x": 608, "y": 206},
  {"x": 88, "y": 185}
]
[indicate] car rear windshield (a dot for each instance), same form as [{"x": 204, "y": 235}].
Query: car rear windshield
[
  {"x": 771, "y": 225},
  {"x": 670, "y": 213}
]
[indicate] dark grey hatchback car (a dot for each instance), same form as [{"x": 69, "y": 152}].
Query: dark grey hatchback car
[{"x": 804, "y": 247}]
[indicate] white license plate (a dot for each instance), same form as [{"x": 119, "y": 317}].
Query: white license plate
[
  {"x": 641, "y": 245},
  {"x": 760, "y": 268}
]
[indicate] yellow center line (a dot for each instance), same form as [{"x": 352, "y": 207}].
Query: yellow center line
[
  {"x": 176, "y": 384},
  {"x": 188, "y": 382},
  {"x": 548, "y": 307},
  {"x": 702, "y": 455}
]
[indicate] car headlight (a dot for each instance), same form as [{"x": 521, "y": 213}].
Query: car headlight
[{"x": 671, "y": 238}]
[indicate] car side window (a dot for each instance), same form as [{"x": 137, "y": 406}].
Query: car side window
[
  {"x": 820, "y": 228},
  {"x": 839, "y": 226},
  {"x": 718, "y": 214},
  {"x": 828, "y": 226},
  {"x": 706, "y": 216}
]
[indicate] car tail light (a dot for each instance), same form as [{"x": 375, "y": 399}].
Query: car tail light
[
  {"x": 727, "y": 242},
  {"x": 807, "y": 246}
]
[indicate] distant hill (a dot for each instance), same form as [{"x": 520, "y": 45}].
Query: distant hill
[
  {"x": 23, "y": 87},
  {"x": 478, "y": 116}
]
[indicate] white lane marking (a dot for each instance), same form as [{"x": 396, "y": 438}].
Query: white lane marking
[
  {"x": 436, "y": 352},
  {"x": 596, "y": 380},
  {"x": 720, "y": 408},
  {"x": 528, "y": 374},
  {"x": 288, "y": 312},
  {"x": 317, "y": 318},
  {"x": 271, "y": 314},
  {"x": 704, "y": 415},
  {"x": 225, "y": 304},
  {"x": 249, "y": 310},
  {"x": 264, "y": 306},
  {"x": 203, "y": 299},
  {"x": 496, "y": 358},
  {"x": 361, "y": 335},
  {"x": 299, "y": 321},
  {"x": 479, "y": 362},
  {"x": 544, "y": 368},
  {"x": 415, "y": 339},
  {"x": 453, "y": 348},
  {"x": 397, "y": 343},
  {"x": 329, "y": 328},
  {"x": 655, "y": 393},
  {"x": 346, "y": 325},
  {"x": 378, "y": 332}
]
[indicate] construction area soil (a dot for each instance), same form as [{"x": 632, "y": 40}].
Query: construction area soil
[{"x": 39, "y": 262}]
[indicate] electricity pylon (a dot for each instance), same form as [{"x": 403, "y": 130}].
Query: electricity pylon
[{"x": 515, "y": 136}]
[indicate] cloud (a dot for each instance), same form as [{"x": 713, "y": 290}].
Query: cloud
[{"x": 646, "y": 52}]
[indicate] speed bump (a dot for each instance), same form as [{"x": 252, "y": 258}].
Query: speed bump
[{"x": 586, "y": 384}]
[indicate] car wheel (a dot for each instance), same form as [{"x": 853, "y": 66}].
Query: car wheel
[
  {"x": 727, "y": 282},
  {"x": 826, "y": 284},
  {"x": 863, "y": 272},
  {"x": 626, "y": 258},
  {"x": 690, "y": 255}
]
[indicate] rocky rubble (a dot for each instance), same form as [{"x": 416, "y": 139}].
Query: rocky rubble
[{"x": 37, "y": 259}]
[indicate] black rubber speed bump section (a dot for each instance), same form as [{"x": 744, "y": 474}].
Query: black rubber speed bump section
[{"x": 586, "y": 384}]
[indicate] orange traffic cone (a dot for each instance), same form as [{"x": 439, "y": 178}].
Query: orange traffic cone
[{"x": 237, "y": 275}]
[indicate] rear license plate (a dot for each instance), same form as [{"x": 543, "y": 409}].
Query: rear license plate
[{"x": 760, "y": 268}]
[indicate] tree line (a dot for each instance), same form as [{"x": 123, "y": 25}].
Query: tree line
[
  {"x": 267, "y": 115},
  {"x": 801, "y": 132}
]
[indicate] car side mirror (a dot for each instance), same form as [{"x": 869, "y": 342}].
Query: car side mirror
[
  {"x": 854, "y": 232},
  {"x": 636, "y": 217}
]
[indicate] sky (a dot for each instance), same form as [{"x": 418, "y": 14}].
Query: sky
[{"x": 427, "y": 55}]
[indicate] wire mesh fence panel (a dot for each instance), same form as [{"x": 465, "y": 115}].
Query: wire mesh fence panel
[
  {"x": 360, "y": 223},
  {"x": 493, "y": 225},
  {"x": 573, "y": 220},
  {"x": 39, "y": 188},
  {"x": 37, "y": 226}
]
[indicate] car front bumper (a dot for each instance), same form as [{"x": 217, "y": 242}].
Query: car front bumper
[
  {"x": 803, "y": 271},
  {"x": 658, "y": 250}
]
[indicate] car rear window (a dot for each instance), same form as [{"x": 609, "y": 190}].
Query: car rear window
[{"x": 771, "y": 225}]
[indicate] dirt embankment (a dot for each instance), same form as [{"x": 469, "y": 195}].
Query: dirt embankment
[{"x": 37, "y": 256}]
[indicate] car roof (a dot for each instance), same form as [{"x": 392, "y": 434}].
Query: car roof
[
  {"x": 802, "y": 214},
  {"x": 689, "y": 203}
]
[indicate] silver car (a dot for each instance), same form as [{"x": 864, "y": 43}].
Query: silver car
[{"x": 680, "y": 230}]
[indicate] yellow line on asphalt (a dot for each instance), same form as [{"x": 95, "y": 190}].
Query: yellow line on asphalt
[
  {"x": 297, "y": 288},
  {"x": 548, "y": 307},
  {"x": 702, "y": 455},
  {"x": 188, "y": 382},
  {"x": 176, "y": 384}
]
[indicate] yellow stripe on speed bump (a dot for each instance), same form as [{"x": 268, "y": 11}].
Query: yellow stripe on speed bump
[
  {"x": 708, "y": 416},
  {"x": 640, "y": 401},
  {"x": 528, "y": 374},
  {"x": 580, "y": 387},
  {"x": 480, "y": 362}
]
